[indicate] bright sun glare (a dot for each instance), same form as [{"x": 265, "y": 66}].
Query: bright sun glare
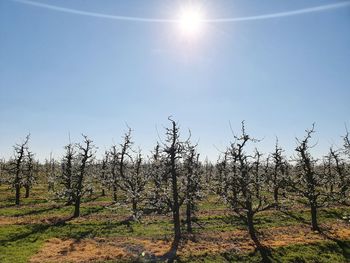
[{"x": 191, "y": 20}]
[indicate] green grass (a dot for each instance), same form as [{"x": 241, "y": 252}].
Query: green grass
[
  {"x": 321, "y": 252},
  {"x": 19, "y": 242}
]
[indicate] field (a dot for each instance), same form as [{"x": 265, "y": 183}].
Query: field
[{"x": 41, "y": 230}]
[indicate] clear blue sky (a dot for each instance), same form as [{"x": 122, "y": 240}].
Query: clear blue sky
[{"x": 65, "y": 73}]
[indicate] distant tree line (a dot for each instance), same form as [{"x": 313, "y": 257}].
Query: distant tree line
[{"x": 172, "y": 179}]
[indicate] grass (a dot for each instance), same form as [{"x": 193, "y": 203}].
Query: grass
[
  {"x": 321, "y": 252},
  {"x": 24, "y": 230}
]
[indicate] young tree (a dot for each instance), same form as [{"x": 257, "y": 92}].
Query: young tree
[
  {"x": 66, "y": 178},
  {"x": 29, "y": 172},
  {"x": 173, "y": 149},
  {"x": 342, "y": 179},
  {"x": 51, "y": 173},
  {"x": 17, "y": 167},
  {"x": 172, "y": 152},
  {"x": 279, "y": 173},
  {"x": 157, "y": 198},
  {"x": 103, "y": 173},
  {"x": 119, "y": 162},
  {"x": 245, "y": 194},
  {"x": 307, "y": 182},
  {"x": 113, "y": 165},
  {"x": 222, "y": 182},
  {"x": 133, "y": 183},
  {"x": 84, "y": 159},
  {"x": 192, "y": 182},
  {"x": 208, "y": 171}
]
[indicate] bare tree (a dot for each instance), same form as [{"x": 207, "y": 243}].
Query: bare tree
[
  {"x": 66, "y": 178},
  {"x": 113, "y": 166},
  {"x": 222, "y": 182},
  {"x": 245, "y": 193},
  {"x": 192, "y": 182},
  {"x": 173, "y": 151},
  {"x": 85, "y": 157},
  {"x": 340, "y": 175},
  {"x": 208, "y": 170},
  {"x": 29, "y": 173},
  {"x": 279, "y": 173},
  {"x": 307, "y": 182},
  {"x": 51, "y": 172},
  {"x": 103, "y": 174},
  {"x": 133, "y": 183},
  {"x": 16, "y": 168},
  {"x": 157, "y": 198}
]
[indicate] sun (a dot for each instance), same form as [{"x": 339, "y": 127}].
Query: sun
[{"x": 191, "y": 20}]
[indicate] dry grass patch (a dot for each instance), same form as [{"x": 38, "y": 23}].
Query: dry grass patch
[
  {"x": 210, "y": 243},
  {"x": 70, "y": 250}
]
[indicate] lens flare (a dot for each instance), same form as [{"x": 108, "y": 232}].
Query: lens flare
[{"x": 191, "y": 20}]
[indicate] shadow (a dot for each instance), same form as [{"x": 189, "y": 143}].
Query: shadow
[
  {"x": 112, "y": 227},
  {"x": 11, "y": 202},
  {"x": 171, "y": 255},
  {"x": 150, "y": 211},
  {"x": 344, "y": 245},
  {"x": 264, "y": 251},
  {"x": 233, "y": 220},
  {"x": 333, "y": 214},
  {"x": 35, "y": 229},
  {"x": 7, "y": 206},
  {"x": 296, "y": 217},
  {"x": 91, "y": 199},
  {"x": 38, "y": 211},
  {"x": 128, "y": 222},
  {"x": 92, "y": 210}
]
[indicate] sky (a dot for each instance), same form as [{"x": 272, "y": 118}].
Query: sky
[{"x": 63, "y": 74}]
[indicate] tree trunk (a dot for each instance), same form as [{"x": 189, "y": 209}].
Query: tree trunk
[
  {"x": 27, "y": 191},
  {"x": 134, "y": 207},
  {"x": 314, "y": 218},
  {"x": 103, "y": 192},
  {"x": 18, "y": 190},
  {"x": 251, "y": 227},
  {"x": 275, "y": 196},
  {"x": 77, "y": 207},
  {"x": 177, "y": 228},
  {"x": 188, "y": 217},
  {"x": 176, "y": 207},
  {"x": 252, "y": 232},
  {"x": 115, "y": 194}
]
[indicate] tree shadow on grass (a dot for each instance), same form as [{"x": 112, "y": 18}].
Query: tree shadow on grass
[
  {"x": 343, "y": 244},
  {"x": 38, "y": 229},
  {"x": 171, "y": 255},
  {"x": 111, "y": 228},
  {"x": 10, "y": 202},
  {"x": 92, "y": 210},
  {"x": 294, "y": 216},
  {"x": 333, "y": 214},
  {"x": 34, "y": 230},
  {"x": 39, "y": 211},
  {"x": 264, "y": 251},
  {"x": 7, "y": 205}
]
